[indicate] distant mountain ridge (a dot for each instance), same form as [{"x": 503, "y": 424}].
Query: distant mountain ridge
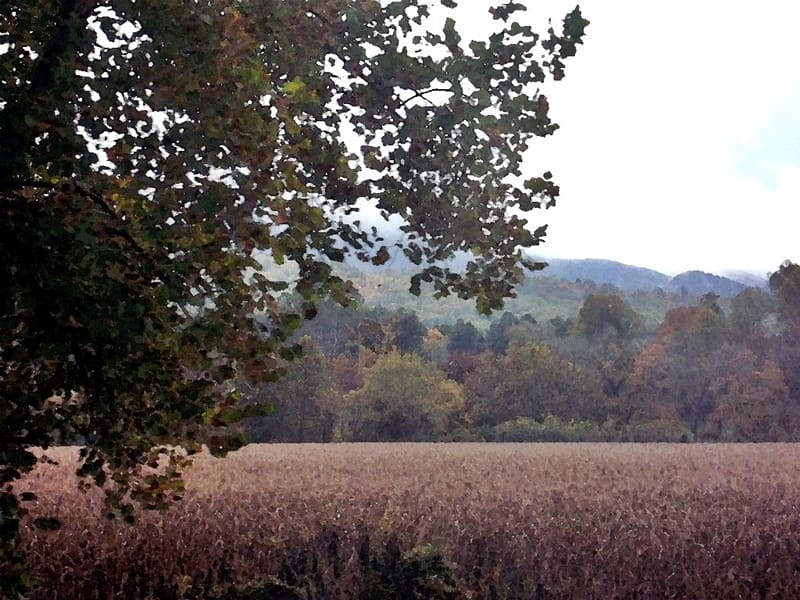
[
  {"x": 622, "y": 276},
  {"x": 749, "y": 278},
  {"x": 631, "y": 279},
  {"x": 695, "y": 283},
  {"x": 605, "y": 272}
]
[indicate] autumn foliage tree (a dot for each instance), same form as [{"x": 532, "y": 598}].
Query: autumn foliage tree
[
  {"x": 530, "y": 380},
  {"x": 752, "y": 400},
  {"x": 154, "y": 154},
  {"x": 303, "y": 401},
  {"x": 404, "y": 399},
  {"x": 785, "y": 284},
  {"x": 674, "y": 376},
  {"x": 608, "y": 328}
]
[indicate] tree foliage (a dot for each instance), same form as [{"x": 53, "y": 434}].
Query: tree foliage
[
  {"x": 154, "y": 154},
  {"x": 607, "y": 331},
  {"x": 751, "y": 400},
  {"x": 785, "y": 283},
  {"x": 463, "y": 336},
  {"x": 604, "y": 315},
  {"x": 404, "y": 399},
  {"x": 750, "y": 308},
  {"x": 530, "y": 380},
  {"x": 302, "y": 402},
  {"x": 408, "y": 332},
  {"x": 705, "y": 376}
]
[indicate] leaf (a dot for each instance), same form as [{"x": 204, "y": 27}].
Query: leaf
[
  {"x": 381, "y": 257},
  {"x": 503, "y": 13},
  {"x": 309, "y": 310},
  {"x": 451, "y": 37},
  {"x": 295, "y": 86},
  {"x": 574, "y": 24}
]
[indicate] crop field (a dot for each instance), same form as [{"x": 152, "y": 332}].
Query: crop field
[{"x": 438, "y": 521}]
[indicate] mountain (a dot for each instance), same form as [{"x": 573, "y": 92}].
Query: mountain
[
  {"x": 750, "y": 279},
  {"x": 605, "y": 272},
  {"x": 698, "y": 283},
  {"x": 632, "y": 279},
  {"x": 627, "y": 278}
]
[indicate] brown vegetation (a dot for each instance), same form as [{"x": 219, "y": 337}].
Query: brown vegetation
[{"x": 438, "y": 521}]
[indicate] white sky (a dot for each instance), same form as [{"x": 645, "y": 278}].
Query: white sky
[{"x": 679, "y": 145}]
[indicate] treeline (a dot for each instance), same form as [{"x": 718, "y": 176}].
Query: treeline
[{"x": 705, "y": 374}]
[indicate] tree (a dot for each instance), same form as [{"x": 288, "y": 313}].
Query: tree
[
  {"x": 304, "y": 403},
  {"x": 752, "y": 401},
  {"x": 530, "y": 380},
  {"x": 333, "y": 327},
  {"x": 372, "y": 334},
  {"x": 675, "y": 376},
  {"x": 499, "y": 334},
  {"x": 749, "y": 310},
  {"x": 608, "y": 327},
  {"x": 404, "y": 399},
  {"x": 785, "y": 284},
  {"x": 348, "y": 371},
  {"x": 463, "y": 336},
  {"x": 561, "y": 326},
  {"x": 153, "y": 155},
  {"x": 434, "y": 347},
  {"x": 460, "y": 364},
  {"x": 608, "y": 315},
  {"x": 408, "y": 331}
]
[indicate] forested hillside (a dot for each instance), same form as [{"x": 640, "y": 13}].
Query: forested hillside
[
  {"x": 555, "y": 292},
  {"x": 566, "y": 361}
]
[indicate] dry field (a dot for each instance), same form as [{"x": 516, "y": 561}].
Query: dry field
[{"x": 440, "y": 521}]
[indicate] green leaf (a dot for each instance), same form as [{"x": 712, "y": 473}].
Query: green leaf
[
  {"x": 451, "y": 37},
  {"x": 294, "y": 87}
]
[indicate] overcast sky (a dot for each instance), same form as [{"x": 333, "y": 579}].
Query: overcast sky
[{"x": 679, "y": 145}]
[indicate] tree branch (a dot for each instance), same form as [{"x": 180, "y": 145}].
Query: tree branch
[
  {"x": 317, "y": 15},
  {"x": 97, "y": 199},
  {"x": 66, "y": 38},
  {"x": 421, "y": 94}
]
